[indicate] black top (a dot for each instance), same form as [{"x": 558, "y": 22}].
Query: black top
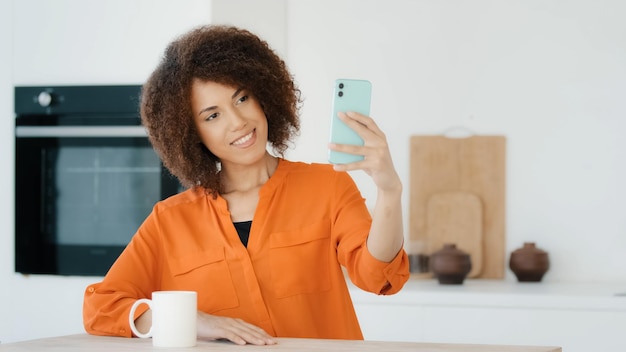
[{"x": 243, "y": 230}]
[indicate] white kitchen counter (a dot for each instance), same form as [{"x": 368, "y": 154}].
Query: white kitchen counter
[
  {"x": 580, "y": 317},
  {"x": 502, "y": 293}
]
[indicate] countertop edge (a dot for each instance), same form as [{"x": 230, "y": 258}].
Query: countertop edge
[{"x": 503, "y": 294}]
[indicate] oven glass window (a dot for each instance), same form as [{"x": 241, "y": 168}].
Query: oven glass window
[
  {"x": 79, "y": 201},
  {"x": 98, "y": 195},
  {"x": 86, "y": 177}
]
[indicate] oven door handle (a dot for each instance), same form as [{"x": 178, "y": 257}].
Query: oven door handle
[{"x": 80, "y": 131}]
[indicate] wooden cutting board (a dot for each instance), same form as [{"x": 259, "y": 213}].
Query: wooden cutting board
[
  {"x": 475, "y": 165},
  {"x": 456, "y": 218}
]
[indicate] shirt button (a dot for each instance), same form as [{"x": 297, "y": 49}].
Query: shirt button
[
  {"x": 91, "y": 289},
  {"x": 122, "y": 331}
]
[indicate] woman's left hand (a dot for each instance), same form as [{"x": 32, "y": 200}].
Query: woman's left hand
[{"x": 377, "y": 159}]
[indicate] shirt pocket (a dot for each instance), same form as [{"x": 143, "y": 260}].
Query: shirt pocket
[
  {"x": 207, "y": 273},
  {"x": 299, "y": 260}
]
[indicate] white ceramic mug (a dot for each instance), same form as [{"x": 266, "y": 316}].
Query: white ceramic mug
[{"x": 174, "y": 315}]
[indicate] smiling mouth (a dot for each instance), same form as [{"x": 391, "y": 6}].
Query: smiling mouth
[{"x": 244, "y": 139}]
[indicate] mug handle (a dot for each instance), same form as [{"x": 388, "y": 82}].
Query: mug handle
[{"x": 131, "y": 319}]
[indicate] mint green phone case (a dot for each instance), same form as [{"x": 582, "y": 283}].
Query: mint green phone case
[{"x": 348, "y": 95}]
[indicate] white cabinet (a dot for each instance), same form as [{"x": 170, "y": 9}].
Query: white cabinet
[{"x": 577, "y": 317}]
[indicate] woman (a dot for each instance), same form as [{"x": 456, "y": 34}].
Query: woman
[{"x": 261, "y": 239}]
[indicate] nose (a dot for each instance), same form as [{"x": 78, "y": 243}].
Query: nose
[{"x": 237, "y": 121}]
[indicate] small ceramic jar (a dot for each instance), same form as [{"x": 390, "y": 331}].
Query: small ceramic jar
[
  {"x": 450, "y": 265},
  {"x": 418, "y": 263},
  {"x": 529, "y": 263},
  {"x": 418, "y": 259}
]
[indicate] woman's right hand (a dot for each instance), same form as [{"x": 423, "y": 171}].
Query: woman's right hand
[{"x": 212, "y": 327}]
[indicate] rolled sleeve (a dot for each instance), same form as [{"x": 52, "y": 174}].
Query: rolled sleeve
[{"x": 380, "y": 277}]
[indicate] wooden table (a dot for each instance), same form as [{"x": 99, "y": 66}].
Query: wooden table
[{"x": 90, "y": 343}]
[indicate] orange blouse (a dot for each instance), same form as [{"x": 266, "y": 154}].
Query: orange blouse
[{"x": 309, "y": 221}]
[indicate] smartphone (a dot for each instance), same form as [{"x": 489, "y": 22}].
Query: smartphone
[{"x": 348, "y": 95}]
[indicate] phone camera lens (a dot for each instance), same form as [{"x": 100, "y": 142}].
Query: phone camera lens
[
  {"x": 340, "y": 85},
  {"x": 340, "y": 94}
]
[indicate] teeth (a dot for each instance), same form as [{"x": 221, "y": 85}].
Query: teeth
[{"x": 243, "y": 139}]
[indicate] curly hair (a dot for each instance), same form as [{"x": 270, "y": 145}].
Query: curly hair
[{"x": 225, "y": 55}]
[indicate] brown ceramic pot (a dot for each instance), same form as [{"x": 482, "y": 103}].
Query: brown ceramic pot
[
  {"x": 450, "y": 265},
  {"x": 529, "y": 263}
]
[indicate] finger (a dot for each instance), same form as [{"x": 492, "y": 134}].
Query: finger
[
  {"x": 364, "y": 126},
  {"x": 234, "y": 330},
  {"x": 234, "y": 338},
  {"x": 246, "y": 336},
  {"x": 365, "y": 121},
  {"x": 348, "y": 148},
  {"x": 361, "y": 129},
  {"x": 253, "y": 334},
  {"x": 357, "y": 165}
]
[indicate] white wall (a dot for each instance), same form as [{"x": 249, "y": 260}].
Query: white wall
[
  {"x": 6, "y": 178},
  {"x": 69, "y": 42},
  {"x": 82, "y": 42},
  {"x": 267, "y": 19},
  {"x": 548, "y": 74}
]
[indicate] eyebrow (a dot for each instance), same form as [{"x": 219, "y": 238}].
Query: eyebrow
[{"x": 215, "y": 107}]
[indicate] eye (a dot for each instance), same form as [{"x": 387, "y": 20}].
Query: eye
[
  {"x": 211, "y": 116},
  {"x": 242, "y": 99}
]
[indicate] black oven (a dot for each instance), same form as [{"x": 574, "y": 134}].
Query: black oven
[{"x": 86, "y": 177}]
